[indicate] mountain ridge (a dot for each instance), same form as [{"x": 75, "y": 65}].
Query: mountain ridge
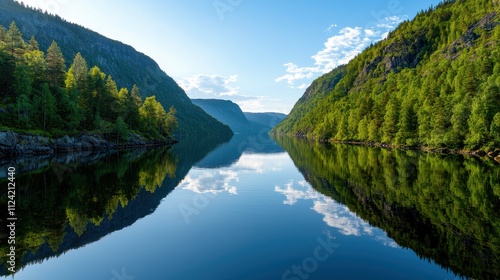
[
  {"x": 126, "y": 65},
  {"x": 433, "y": 82},
  {"x": 240, "y": 122}
]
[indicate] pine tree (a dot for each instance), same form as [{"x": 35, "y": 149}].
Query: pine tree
[
  {"x": 171, "y": 122},
  {"x": 80, "y": 72},
  {"x": 134, "y": 102},
  {"x": 3, "y": 34},
  {"x": 37, "y": 66},
  {"x": 33, "y": 44},
  {"x": 390, "y": 125},
  {"x": 14, "y": 41},
  {"x": 55, "y": 66}
]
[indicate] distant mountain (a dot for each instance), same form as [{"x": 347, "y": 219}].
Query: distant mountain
[
  {"x": 122, "y": 62},
  {"x": 433, "y": 82},
  {"x": 264, "y": 121},
  {"x": 227, "y": 112}
]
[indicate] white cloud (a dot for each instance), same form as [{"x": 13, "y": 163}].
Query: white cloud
[
  {"x": 209, "y": 86},
  {"x": 339, "y": 49},
  {"x": 225, "y": 87},
  {"x": 293, "y": 195},
  {"x": 214, "y": 182},
  {"x": 334, "y": 214}
]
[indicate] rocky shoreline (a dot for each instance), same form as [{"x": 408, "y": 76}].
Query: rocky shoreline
[
  {"x": 15, "y": 144},
  {"x": 495, "y": 155}
]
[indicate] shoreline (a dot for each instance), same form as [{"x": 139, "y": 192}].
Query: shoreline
[
  {"x": 494, "y": 155},
  {"x": 14, "y": 144}
]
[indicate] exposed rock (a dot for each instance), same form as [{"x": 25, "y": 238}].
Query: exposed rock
[
  {"x": 12, "y": 143},
  {"x": 467, "y": 40},
  {"x": 8, "y": 139}
]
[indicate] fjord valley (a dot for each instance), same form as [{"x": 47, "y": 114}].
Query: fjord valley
[
  {"x": 119, "y": 172},
  {"x": 433, "y": 82},
  {"x": 229, "y": 113}
]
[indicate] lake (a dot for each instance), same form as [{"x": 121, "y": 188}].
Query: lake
[{"x": 256, "y": 208}]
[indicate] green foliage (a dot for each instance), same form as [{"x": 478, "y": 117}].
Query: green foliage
[
  {"x": 40, "y": 94},
  {"x": 433, "y": 82},
  {"x": 55, "y": 66},
  {"x": 155, "y": 121},
  {"x": 124, "y": 63},
  {"x": 445, "y": 208},
  {"x": 60, "y": 201}
]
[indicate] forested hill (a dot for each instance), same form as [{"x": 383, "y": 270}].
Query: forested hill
[
  {"x": 122, "y": 62},
  {"x": 434, "y": 81}
]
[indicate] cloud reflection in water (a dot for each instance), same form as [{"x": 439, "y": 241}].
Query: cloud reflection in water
[{"x": 334, "y": 214}]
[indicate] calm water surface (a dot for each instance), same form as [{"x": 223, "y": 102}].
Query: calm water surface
[{"x": 252, "y": 209}]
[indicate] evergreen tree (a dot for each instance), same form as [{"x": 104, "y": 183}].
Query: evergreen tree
[
  {"x": 171, "y": 122},
  {"x": 37, "y": 66},
  {"x": 121, "y": 129},
  {"x": 390, "y": 126},
  {"x": 45, "y": 107},
  {"x": 80, "y": 72},
  {"x": 7, "y": 67},
  {"x": 33, "y": 44},
  {"x": 134, "y": 102},
  {"x": 55, "y": 66},
  {"x": 14, "y": 41}
]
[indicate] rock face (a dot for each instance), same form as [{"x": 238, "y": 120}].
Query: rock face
[{"x": 12, "y": 143}]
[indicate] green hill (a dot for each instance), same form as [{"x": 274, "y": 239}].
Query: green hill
[
  {"x": 434, "y": 81},
  {"x": 122, "y": 62}
]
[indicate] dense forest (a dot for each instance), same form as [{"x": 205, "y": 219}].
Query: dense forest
[
  {"x": 38, "y": 93},
  {"x": 126, "y": 65},
  {"x": 434, "y": 82}
]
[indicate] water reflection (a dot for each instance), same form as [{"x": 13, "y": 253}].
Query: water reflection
[
  {"x": 252, "y": 215},
  {"x": 220, "y": 169},
  {"x": 68, "y": 201},
  {"x": 213, "y": 182},
  {"x": 334, "y": 214},
  {"x": 229, "y": 153},
  {"x": 445, "y": 208}
]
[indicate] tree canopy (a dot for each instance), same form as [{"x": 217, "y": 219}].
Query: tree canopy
[
  {"x": 434, "y": 81},
  {"x": 39, "y": 93}
]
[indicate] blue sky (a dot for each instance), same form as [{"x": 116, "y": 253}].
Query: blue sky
[{"x": 260, "y": 54}]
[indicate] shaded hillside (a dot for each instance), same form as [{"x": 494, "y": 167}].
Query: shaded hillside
[
  {"x": 434, "y": 81},
  {"x": 264, "y": 121},
  {"x": 122, "y": 62},
  {"x": 227, "y": 112}
]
